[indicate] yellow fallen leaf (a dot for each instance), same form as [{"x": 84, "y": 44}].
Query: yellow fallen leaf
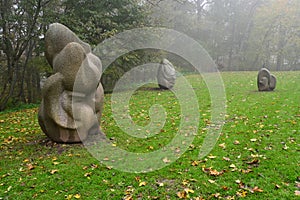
[
  {"x": 53, "y": 171},
  {"x": 187, "y": 190},
  {"x": 195, "y": 163},
  {"x": 150, "y": 147},
  {"x": 211, "y": 156},
  {"x": 160, "y": 184},
  {"x": 242, "y": 193},
  {"x": 185, "y": 182},
  {"x": 236, "y": 142},
  {"x": 226, "y": 158},
  {"x": 232, "y": 166},
  {"x": 199, "y": 198},
  {"x": 88, "y": 174},
  {"x": 77, "y": 196},
  {"x": 128, "y": 198},
  {"x": 166, "y": 160},
  {"x": 256, "y": 189},
  {"x": 211, "y": 181},
  {"x": 182, "y": 195},
  {"x": 143, "y": 183},
  {"x": 30, "y": 166},
  {"x": 223, "y": 146}
]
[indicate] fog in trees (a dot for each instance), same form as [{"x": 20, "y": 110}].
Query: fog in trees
[{"x": 237, "y": 34}]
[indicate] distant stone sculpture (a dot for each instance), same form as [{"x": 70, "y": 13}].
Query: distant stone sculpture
[
  {"x": 265, "y": 80},
  {"x": 166, "y": 75},
  {"x": 71, "y": 59}
]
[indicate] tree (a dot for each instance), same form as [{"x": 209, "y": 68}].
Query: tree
[
  {"x": 19, "y": 30},
  {"x": 276, "y": 35},
  {"x": 24, "y": 23}
]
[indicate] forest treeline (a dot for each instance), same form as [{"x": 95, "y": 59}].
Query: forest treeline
[{"x": 238, "y": 34}]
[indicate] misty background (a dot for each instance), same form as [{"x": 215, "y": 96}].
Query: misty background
[{"x": 239, "y": 35}]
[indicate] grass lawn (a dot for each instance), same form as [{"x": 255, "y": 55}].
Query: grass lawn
[{"x": 256, "y": 157}]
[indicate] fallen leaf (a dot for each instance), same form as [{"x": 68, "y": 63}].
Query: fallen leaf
[
  {"x": 53, "y": 171},
  {"x": 182, "y": 195},
  {"x": 225, "y": 188},
  {"x": 94, "y": 166},
  {"x": 246, "y": 171},
  {"x": 195, "y": 163},
  {"x": 187, "y": 190},
  {"x": 217, "y": 195},
  {"x": 129, "y": 197},
  {"x": 211, "y": 156},
  {"x": 160, "y": 184},
  {"x": 212, "y": 172},
  {"x": 199, "y": 198},
  {"x": 232, "y": 166},
  {"x": 77, "y": 196},
  {"x": 223, "y": 146},
  {"x": 30, "y": 166},
  {"x": 166, "y": 160},
  {"x": 256, "y": 189},
  {"x": 150, "y": 148},
  {"x": 285, "y": 147},
  {"x": 242, "y": 193},
  {"x": 229, "y": 197},
  {"x": 143, "y": 183},
  {"x": 236, "y": 142},
  {"x": 185, "y": 182},
  {"x": 253, "y": 162},
  {"x": 211, "y": 181},
  {"x": 137, "y": 178},
  {"x": 226, "y": 158},
  {"x": 88, "y": 174}
]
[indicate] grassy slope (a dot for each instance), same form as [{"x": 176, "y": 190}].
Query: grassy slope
[{"x": 258, "y": 150}]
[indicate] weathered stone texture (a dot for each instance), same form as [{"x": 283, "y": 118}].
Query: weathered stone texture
[
  {"x": 265, "y": 80},
  {"x": 74, "y": 87},
  {"x": 166, "y": 75}
]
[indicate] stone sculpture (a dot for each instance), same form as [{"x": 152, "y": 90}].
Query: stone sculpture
[
  {"x": 166, "y": 75},
  {"x": 69, "y": 113},
  {"x": 265, "y": 80}
]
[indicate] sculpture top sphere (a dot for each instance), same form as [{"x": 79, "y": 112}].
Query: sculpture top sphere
[{"x": 57, "y": 37}]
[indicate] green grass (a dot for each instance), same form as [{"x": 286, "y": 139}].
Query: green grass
[{"x": 256, "y": 157}]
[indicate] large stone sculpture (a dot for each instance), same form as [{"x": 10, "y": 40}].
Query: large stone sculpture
[
  {"x": 70, "y": 110},
  {"x": 265, "y": 80},
  {"x": 166, "y": 75}
]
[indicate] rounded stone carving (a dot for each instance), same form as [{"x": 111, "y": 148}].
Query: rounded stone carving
[
  {"x": 166, "y": 75},
  {"x": 265, "y": 80},
  {"x": 71, "y": 59}
]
